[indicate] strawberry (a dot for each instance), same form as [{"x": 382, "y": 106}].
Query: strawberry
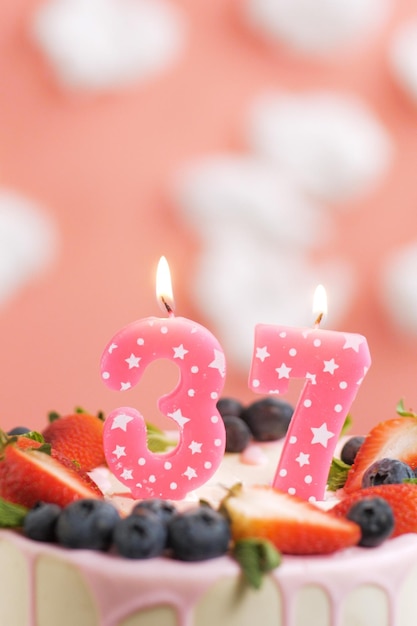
[
  {"x": 292, "y": 525},
  {"x": 79, "y": 437},
  {"x": 25, "y": 443},
  {"x": 395, "y": 439},
  {"x": 28, "y": 475},
  {"x": 401, "y": 497}
]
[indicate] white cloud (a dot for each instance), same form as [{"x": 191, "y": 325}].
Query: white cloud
[
  {"x": 332, "y": 144},
  {"x": 317, "y": 27},
  {"x": 28, "y": 242},
  {"x": 403, "y": 57},
  {"x": 104, "y": 44},
  {"x": 398, "y": 287}
]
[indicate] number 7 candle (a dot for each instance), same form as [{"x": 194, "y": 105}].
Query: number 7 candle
[
  {"x": 333, "y": 365},
  {"x": 191, "y": 405}
]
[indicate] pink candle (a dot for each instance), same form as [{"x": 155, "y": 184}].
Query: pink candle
[
  {"x": 191, "y": 405},
  {"x": 333, "y": 365}
]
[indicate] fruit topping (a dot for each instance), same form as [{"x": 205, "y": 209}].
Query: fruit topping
[
  {"x": 268, "y": 419},
  {"x": 79, "y": 437},
  {"x": 18, "y": 430},
  {"x": 198, "y": 534},
  {"x": 229, "y": 406},
  {"x": 164, "y": 509},
  {"x": 375, "y": 518},
  {"x": 141, "y": 535},
  {"x": 351, "y": 448},
  {"x": 40, "y": 522},
  {"x": 401, "y": 497},
  {"x": 87, "y": 524},
  {"x": 293, "y": 526},
  {"x": 29, "y": 475},
  {"x": 386, "y": 472},
  {"x": 238, "y": 434},
  {"x": 395, "y": 439}
]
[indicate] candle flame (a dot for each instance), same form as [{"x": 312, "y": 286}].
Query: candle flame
[
  {"x": 164, "y": 293},
  {"x": 319, "y": 304}
]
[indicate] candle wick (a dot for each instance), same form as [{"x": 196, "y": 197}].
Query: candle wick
[
  {"x": 168, "y": 307},
  {"x": 318, "y": 320}
]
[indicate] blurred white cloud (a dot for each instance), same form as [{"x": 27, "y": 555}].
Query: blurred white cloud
[
  {"x": 398, "y": 287},
  {"x": 331, "y": 143},
  {"x": 317, "y": 27},
  {"x": 258, "y": 230},
  {"x": 28, "y": 242},
  {"x": 403, "y": 57},
  {"x": 105, "y": 44}
]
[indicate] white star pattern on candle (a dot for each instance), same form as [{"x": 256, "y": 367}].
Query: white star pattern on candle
[
  {"x": 219, "y": 362},
  {"x": 127, "y": 474},
  {"x": 125, "y": 386},
  {"x": 303, "y": 459},
  {"x": 119, "y": 451},
  {"x": 321, "y": 435},
  {"x": 330, "y": 366},
  {"x": 311, "y": 378},
  {"x": 121, "y": 421},
  {"x": 283, "y": 371},
  {"x": 178, "y": 417},
  {"x": 353, "y": 341},
  {"x": 262, "y": 353},
  {"x": 179, "y": 352},
  {"x": 190, "y": 473},
  {"x": 195, "y": 447},
  {"x": 133, "y": 361},
  {"x": 112, "y": 347}
]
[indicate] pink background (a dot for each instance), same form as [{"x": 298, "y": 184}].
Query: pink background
[{"x": 102, "y": 165}]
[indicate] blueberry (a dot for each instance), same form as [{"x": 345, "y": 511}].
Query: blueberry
[
  {"x": 198, "y": 534},
  {"x": 268, "y": 419},
  {"x": 238, "y": 434},
  {"x": 351, "y": 448},
  {"x": 164, "y": 509},
  {"x": 18, "y": 430},
  {"x": 141, "y": 535},
  {"x": 376, "y": 519},
  {"x": 40, "y": 522},
  {"x": 229, "y": 406},
  {"x": 386, "y": 472},
  {"x": 87, "y": 524}
]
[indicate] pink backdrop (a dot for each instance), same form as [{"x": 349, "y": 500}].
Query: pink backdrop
[{"x": 102, "y": 164}]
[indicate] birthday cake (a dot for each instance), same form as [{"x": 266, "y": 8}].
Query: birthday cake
[{"x": 322, "y": 571}]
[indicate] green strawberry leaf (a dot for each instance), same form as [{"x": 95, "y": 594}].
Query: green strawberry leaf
[
  {"x": 157, "y": 440},
  {"x": 11, "y": 515},
  {"x": 35, "y": 436},
  {"x": 53, "y": 416},
  {"x": 347, "y": 425},
  {"x": 402, "y": 411},
  {"x": 337, "y": 474},
  {"x": 256, "y": 558}
]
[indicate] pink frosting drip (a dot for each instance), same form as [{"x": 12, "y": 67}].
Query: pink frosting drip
[{"x": 121, "y": 587}]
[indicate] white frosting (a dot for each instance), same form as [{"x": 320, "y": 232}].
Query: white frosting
[
  {"x": 316, "y": 27},
  {"x": 28, "y": 242},
  {"x": 102, "y": 44},
  {"x": 331, "y": 143}
]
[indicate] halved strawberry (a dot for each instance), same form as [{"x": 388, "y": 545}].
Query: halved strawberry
[
  {"x": 79, "y": 437},
  {"x": 29, "y": 475},
  {"x": 25, "y": 443},
  {"x": 402, "y": 498},
  {"x": 294, "y": 526},
  {"x": 395, "y": 439}
]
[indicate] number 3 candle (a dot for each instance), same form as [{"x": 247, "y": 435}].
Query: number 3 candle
[
  {"x": 191, "y": 405},
  {"x": 333, "y": 365}
]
